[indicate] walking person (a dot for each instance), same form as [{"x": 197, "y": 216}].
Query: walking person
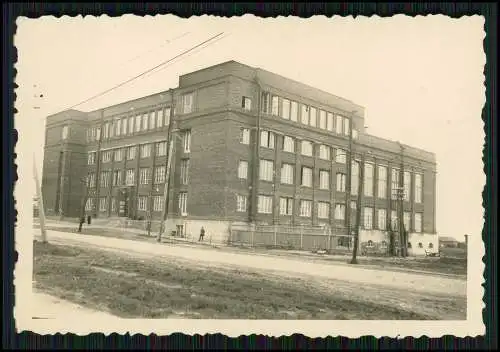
[{"x": 202, "y": 234}]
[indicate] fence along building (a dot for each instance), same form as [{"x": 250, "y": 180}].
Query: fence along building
[{"x": 251, "y": 147}]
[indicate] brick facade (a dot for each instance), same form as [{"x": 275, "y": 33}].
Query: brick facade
[{"x": 215, "y": 122}]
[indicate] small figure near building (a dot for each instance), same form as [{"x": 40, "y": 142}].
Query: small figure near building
[
  {"x": 202, "y": 234},
  {"x": 89, "y": 219},
  {"x": 81, "y": 222}
]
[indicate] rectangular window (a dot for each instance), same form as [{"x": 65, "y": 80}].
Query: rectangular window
[
  {"x": 145, "y": 150},
  {"x": 113, "y": 205},
  {"x": 287, "y": 172},
  {"x": 322, "y": 119},
  {"x": 368, "y": 218},
  {"x": 130, "y": 178},
  {"x": 117, "y": 178},
  {"x": 339, "y": 211},
  {"x": 105, "y": 179},
  {"x": 382, "y": 219},
  {"x": 341, "y": 181},
  {"x": 288, "y": 144},
  {"x": 144, "y": 175},
  {"x": 161, "y": 148},
  {"x": 98, "y": 133},
  {"x": 121, "y": 127},
  {"x": 294, "y": 111},
  {"x": 159, "y": 174},
  {"x": 418, "y": 222},
  {"x": 138, "y": 123},
  {"x": 183, "y": 203},
  {"x": 407, "y": 186},
  {"x": 168, "y": 112},
  {"x": 306, "y": 148},
  {"x": 106, "y": 156},
  {"x": 118, "y": 155},
  {"x": 184, "y": 171},
  {"x": 324, "y": 179},
  {"x": 330, "y": 125},
  {"x": 246, "y": 103},
  {"x": 187, "y": 141},
  {"x": 142, "y": 203},
  {"x": 159, "y": 118},
  {"x": 65, "y": 132},
  {"x": 368, "y": 187},
  {"x": 323, "y": 210},
  {"x": 106, "y": 130},
  {"x": 89, "y": 205},
  {"x": 265, "y": 103},
  {"x": 394, "y": 183},
  {"x": 91, "y": 158},
  {"x": 285, "y": 109},
  {"x": 394, "y": 220},
  {"x": 187, "y": 103},
  {"x": 307, "y": 177},
  {"x": 418, "y": 188},
  {"x": 324, "y": 152},
  {"x": 266, "y": 170},
  {"x": 157, "y": 203},
  {"x": 275, "y": 105},
  {"x": 152, "y": 120},
  {"x": 243, "y": 169},
  {"x": 130, "y": 125},
  {"x": 382, "y": 182},
  {"x": 286, "y": 206},
  {"x": 265, "y": 204},
  {"x": 339, "y": 124},
  {"x": 241, "y": 203},
  {"x": 304, "y": 115},
  {"x": 245, "y": 136},
  {"x": 305, "y": 208},
  {"x": 103, "y": 204},
  {"x": 340, "y": 156},
  {"x": 313, "y": 117},
  {"x": 91, "y": 180},
  {"x": 130, "y": 153},
  {"x": 355, "y": 178},
  {"x": 267, "y": 139},
  {"x": 346, "y": 127},
  {"x": 407, "y": 220}
]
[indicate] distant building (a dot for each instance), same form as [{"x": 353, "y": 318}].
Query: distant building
[
  {"x": 251, "y": 146},
  {"x": 449, "y": 242}
]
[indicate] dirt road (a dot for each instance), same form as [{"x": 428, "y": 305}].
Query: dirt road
[{"x": 372, "y": 277}]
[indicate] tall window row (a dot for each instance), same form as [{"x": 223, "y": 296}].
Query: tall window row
[
  {"x": 305, "y": 114},
  {"x": 129, "y": 153}
]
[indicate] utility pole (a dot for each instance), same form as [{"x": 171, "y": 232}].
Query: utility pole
[
  {"x": 401, "y": 195},
  {"x": 166, "y": 189},
  {"x": 41, "y": 210},
  {"x": 255, "y": 168},
  {"x": 350, "y": 152},
  {"x": 359, "y": 207},
  {"x": 98, "y": 163}
]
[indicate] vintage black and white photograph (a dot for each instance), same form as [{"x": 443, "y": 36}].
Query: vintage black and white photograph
[{"x": 246, "y": 175}]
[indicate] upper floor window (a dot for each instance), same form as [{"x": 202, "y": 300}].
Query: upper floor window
[
  {"x": 407, "y": 185},
  {"x": 106, "y": 156},
  {"x": 324, "y": 179},
  {"x": 313, "y": 117},
  {"x": 307, "y": 176},
  {"x": 187, "y": 141},
  {"x": 159, "y": 118},
  {"x": 418, "y": 188},
  {"x": 339, "y": 124},
  {"x": 145, "y": 150},
  {"x": 138, "y": 123},
  {"x": 168, "y": 112},
  {"x": 307, "y": 148},
  {"x": 130, "y": 125},
  {"x": 322, "y": 119},
  {"x": 285, "y": 109},
  {"x": 65, "y": 132},
  {"x": 161, "y": 148},
  {"x": 245, "y": 136},
  {"x": 341, "y": 156},
  {"x": 118, "y": 127},
  {"x": 288, "y": 144},
  {"x": 124, "y": 126},
  {"x": 98, "y": 133},
  {"x": 144, "y": 122},
  {"x": 130, "y": 153},
  {"x": 246, "y": 103},
  {"x": 265, "y": 102},
  {"x": 106, "y": 130},
  {"x": 346, "y": 126},
  {"x": 368, "y": 186},
  {"x": 304, "y": 115},
  {"x": 382, "y": 182},
  {"x": 91, "y": 158},
  {"x": 267, "y": 139},
  {"x": 152, "y": 121},
  {"x": 266, "y": 170},
  {"x": 294, "y": 111},
  {"x": 275, "y": 105},
  {"x": 118, "y": 154},
  {"x": 187, "y": 103},
  {"x": 330, "y": 122},
  {"x": 324, "y": 152}
]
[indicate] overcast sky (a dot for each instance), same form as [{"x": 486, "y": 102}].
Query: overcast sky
[{"x": 420, "y": 79}]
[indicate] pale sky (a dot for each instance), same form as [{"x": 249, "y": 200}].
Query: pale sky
[{"x": 420, "y": 79}]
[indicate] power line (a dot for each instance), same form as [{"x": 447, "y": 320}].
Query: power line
[{"x": 145, "y": 72}]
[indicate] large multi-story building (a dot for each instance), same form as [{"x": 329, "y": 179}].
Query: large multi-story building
[{"x": 250, "y": 146}]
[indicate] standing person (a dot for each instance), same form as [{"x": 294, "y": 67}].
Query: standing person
[
  {"x": 82, "y": 221},
  {"x": 202, "y": 234}
]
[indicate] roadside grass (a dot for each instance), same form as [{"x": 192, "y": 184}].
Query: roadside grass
[
  {"x": 453, "y": 261},
  {"x": 133, "y": 288}
]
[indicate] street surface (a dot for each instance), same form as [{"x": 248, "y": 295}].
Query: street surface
[{"x": 424, "y": 283}]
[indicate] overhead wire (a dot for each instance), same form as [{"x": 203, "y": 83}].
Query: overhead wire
[{"x": 146, "y": 72}]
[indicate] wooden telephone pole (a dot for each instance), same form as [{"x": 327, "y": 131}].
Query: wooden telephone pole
[
  {"x": 361, "y": 167},
  {"x": 41, "y": 210}
]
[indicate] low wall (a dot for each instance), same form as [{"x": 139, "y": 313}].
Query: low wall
[{"x": 418, "y": 243}]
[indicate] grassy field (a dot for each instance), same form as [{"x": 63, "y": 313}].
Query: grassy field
[
  {"x": 133, "y": 287},
  {"x": 453, "y": 261}
]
